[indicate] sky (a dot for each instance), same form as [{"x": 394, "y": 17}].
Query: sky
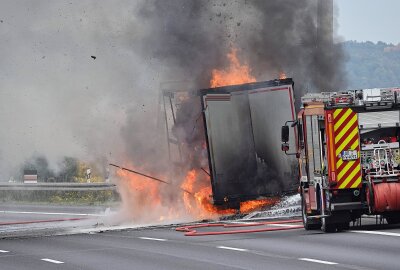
[{"x": 373, "y": 20}]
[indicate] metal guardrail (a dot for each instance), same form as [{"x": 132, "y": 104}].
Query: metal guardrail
[{"x": 57, "y": 186}]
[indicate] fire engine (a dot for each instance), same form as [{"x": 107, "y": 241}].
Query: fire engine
[{"x": 347, "y": 147}]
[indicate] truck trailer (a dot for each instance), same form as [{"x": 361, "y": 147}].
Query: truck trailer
[
  {"x": 241, "y": 124},
  {"x": 348, "y": 153}
]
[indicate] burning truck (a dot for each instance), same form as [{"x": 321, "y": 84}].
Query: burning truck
[
  {"x": 232, "y": 141},
  {"x": 242, "y": 126},
  {"x": 221, "y": 149}
]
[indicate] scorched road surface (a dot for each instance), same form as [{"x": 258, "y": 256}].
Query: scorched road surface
[{"x": 164, "y": 248}]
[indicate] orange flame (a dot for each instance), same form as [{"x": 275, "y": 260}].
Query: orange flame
[
  {"x": 199, "y": 204},
  {"x": 149, "y": 196},
  {"x": 282, "y": 75},
  {"x": 250, "y": 206},
  {"x": 236, "y": 73}
]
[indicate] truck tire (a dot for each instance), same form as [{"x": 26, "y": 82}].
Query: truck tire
[
  {"x": 345, "y": 226},
  {"x": 308, "y": 224},
  {"x": 328, "y": 227}
]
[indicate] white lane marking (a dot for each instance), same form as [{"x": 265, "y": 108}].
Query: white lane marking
[
  {"x": 154, "y": 239},
  {"x": 232, "y": 248},
  {"x": 317, "y": 261},
  {"x": 378, "y": 233},
  {"x": 52, "y": 261},
  {"x": 3, "y": 251},
  {"x": 50, "y": 213}
]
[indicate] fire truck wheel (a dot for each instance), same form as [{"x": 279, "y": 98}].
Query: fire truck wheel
[
  {"x": 328, "y": 227},
  {"x": 308, "y": 224},
  {"x": 343, "y": 226}
]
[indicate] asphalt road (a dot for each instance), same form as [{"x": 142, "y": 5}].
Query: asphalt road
[
  {"x": 368, "y": 247},
  {"x": 31, "y": 212},
  {"x": 33, "y": 220}
]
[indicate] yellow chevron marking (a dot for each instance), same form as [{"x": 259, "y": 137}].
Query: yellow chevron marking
[
  {"x": 350, "y": 177},
  {"x": 354, "y": 146},
  {"x": 346, "y": 141},
  {"x": 336, "y": 112},
  {"x": 357, "y": 182},
  {"x": 345, "y": 169},
  {"x": 339, "y": 163},
  {"x": 342, "y": 119},
  {"x": 346, "y": 128}
]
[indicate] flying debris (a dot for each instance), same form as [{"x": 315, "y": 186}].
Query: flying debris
[{"x": 94, "y": 57}]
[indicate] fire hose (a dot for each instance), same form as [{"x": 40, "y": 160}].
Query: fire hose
[{"x": 191, "y": 230}]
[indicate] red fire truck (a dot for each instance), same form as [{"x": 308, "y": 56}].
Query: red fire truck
[{"x": 347, "y": 147}]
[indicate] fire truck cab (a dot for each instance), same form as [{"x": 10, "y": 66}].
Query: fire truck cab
[{"x": 349, "y": 156}]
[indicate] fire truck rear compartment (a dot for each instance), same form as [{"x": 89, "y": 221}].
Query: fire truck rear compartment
[{"x": 380, "y": 159}]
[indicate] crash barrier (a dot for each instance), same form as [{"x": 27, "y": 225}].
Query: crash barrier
[
  {"x": 86, "y": 193},
  {"x": 57, "y": 186},
  {"x": 191, "y": 230}
]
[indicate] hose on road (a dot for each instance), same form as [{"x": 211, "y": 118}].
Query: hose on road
[{"x": 191, "y": 230}]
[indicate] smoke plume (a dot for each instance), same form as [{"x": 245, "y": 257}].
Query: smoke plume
[{"x": 82, "y": 78}]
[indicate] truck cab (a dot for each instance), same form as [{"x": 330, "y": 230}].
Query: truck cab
[{"x": 349, "y": 157}]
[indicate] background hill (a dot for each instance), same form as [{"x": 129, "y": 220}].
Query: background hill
[{"x": 372, "y": 64}]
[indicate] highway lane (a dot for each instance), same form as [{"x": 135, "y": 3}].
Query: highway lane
[
  {"x": 38, "y": 219},
  {"x": 164, "y": 248},
  {"x": 31, "y": 212}
]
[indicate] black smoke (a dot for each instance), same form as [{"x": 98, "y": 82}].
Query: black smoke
[
  {"x": 291, "y": 36},
  {"x": 191, "y": 38}
]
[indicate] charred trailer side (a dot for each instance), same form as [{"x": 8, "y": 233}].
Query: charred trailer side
[
  {"x": 349, "y": 157},
  {"x": 242, "y": 124}
]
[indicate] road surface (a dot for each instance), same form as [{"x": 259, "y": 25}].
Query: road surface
[
  {"x": 30, "y": 219},
  {"x": 368, "y": 247}
]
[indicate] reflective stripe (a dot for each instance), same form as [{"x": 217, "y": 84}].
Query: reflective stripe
[
  {"x": 357, "y": 183},
  {"x": 345, "y": 169},
  {"x": 342, "y": 119},
  {"x": 346, "y": 136},
  {"x": 350, "y": 177},
  {"x": 346, "y": 128},
  {"x": 353, "y": 134}
]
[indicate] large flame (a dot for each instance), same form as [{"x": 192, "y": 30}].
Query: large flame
[
  {"x": 151, "y": 201},
  {"x": 236, "y": 73}
]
